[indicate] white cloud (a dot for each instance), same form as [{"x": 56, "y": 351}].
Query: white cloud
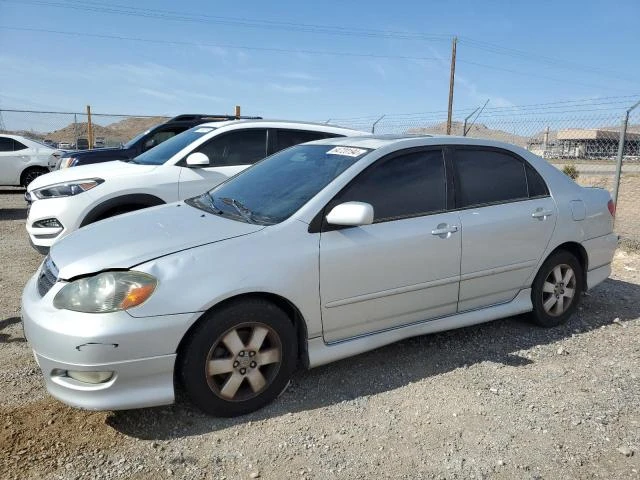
[
  {"x": 156, "y": 93},
  {"x": 291, "y": 88}
]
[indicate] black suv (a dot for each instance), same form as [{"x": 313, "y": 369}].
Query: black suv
[{"x": 141, "y": 142}]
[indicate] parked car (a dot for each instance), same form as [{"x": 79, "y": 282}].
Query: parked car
[
  {"x": 82, "y": 144},
  {"x": 320, "y": 252},
  {"x": 183, "y": 166},
  {"x": 50, "y": 143},
  {"x": 22, "y": 160},
  {"x": 140, "y": 143},
  {"x": 100, "y": 142},
  {"x": 66, "y": 146}
]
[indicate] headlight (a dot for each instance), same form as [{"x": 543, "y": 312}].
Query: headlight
[
  {"x": 106, "y": 292},
  {"x": 66, "y": 162},
  {"x": 67, "y": 189}
]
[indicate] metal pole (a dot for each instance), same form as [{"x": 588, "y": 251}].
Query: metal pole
[
  {"x": 373, "y": 127},
  {"x": 623, "y": 134},
  {"x": 75, "y": 129},
  {"x": 237, "y": 111},
  {"x": 451, "y": 81},
  {"x": 89, "y": 128}
]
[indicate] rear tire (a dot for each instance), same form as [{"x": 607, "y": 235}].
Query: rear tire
[
  {"x": 30, "y": 174},
  {"x": 557, "y": 289},
  {"x": 239, "y": 358}
]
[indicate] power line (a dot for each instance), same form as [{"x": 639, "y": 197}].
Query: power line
[
  {"x": 172, "y": 15},
  {"x": 289, "y": 51}
]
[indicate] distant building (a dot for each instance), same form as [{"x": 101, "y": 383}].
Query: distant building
[{"x": 593, "y": 143}]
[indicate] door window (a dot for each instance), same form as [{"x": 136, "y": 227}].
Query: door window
[
  {"x": 241, "y": 147},
  {"x": 488, "y": 176},
  {"x": 289, "y": 138},
  {"x": 406, "y": 185}
]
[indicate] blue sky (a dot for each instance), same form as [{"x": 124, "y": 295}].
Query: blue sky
[{"x": 50, "y": 71}]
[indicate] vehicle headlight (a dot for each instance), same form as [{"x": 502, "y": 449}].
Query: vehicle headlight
[
  {"x": 106, "y": 292},
  {"x": 67, "y": 189},
  {"x": 67, "y": 162}
]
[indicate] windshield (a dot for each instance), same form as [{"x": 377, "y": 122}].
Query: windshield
[
  {"x": 275, "y": 188},
  {"x": 167, "y": 149}
]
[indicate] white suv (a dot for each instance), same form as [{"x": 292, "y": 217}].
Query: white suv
[
  {"x": 22, "y": 160},
  {"x": 182, "y": 167}
]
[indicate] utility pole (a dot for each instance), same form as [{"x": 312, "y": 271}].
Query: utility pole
[
  {"x": 451, "y": 81},
  {"x": 237, "y": 111}
]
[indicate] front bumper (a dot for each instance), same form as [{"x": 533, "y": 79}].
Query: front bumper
[
  {"x": 69, "y": 211},
  {"x": 140, "y": 352}
]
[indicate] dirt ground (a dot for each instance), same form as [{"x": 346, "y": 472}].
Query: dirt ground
[{"x": 502, "y": 400}]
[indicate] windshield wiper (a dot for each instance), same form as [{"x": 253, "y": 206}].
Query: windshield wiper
[{"x": 240, "y": 208}]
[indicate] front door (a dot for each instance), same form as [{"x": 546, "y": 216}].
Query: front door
[{"x": 404, "y": 267}]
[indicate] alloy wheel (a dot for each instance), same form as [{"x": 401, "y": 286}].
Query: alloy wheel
[
  {"x": 558, "y": 290},
  {"x": 243, "y": 362}
]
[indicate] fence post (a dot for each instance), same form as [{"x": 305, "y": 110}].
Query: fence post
[
  {"x": 89, "y": 128},
  {"x": 623, "y": 134},
  {"x": 75, "y": 129},
  {"x": 373, "y": 127}
]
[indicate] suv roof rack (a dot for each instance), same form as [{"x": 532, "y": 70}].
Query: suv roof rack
[{"x": 211, "y": 118}]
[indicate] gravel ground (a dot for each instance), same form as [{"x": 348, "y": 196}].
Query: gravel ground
[{"x": 500, "y": 400}]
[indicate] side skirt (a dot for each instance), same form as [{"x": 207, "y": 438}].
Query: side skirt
[{"x": 321, "y": 353}]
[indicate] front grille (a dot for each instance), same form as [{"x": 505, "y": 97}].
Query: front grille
[{"x": 48, "y": 276}]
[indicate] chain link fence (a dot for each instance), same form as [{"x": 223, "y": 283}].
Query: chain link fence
[
  {"x": 582, "y": 140},
  {"x": 70, "y": 130}
]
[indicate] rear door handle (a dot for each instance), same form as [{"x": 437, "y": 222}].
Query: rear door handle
[
  {"x": 540, "y": 213},
  {"x": 444, "y": 229}
]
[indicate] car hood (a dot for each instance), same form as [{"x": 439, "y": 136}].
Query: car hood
[
  {"x": 137, "y": 237},
  {"x": 99, "y": 170}
]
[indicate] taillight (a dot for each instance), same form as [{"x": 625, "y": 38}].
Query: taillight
[{"x": 612, "y": 208}]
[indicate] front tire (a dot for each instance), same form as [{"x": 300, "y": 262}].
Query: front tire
[
  {"x": 557, "y": 289},
  {"x": 239, "y": 358}
]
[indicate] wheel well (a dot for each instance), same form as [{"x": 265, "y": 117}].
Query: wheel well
[
  {"x": 30, "y": 169},
  {"x": 580, "y": 253},
  {"x": 121, "y": 204},
  {"x": 289, "y": 308}
]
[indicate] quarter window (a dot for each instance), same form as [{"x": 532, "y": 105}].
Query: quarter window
[
  {"x": 407, "y": 185},
  {"x": 289, "y": 138},
  {"x": 537, "y": 187},
  {"x": 242, "y": 147},
  {"x": 18, "y": 146},
  {"x": 488, "y": 176},
  {"x": 6, "y": 144}
]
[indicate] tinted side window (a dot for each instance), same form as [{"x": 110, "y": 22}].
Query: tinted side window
[
  {"x": 6, "y": 144},
  {"x": 403, "y": 186},
  {"x": 241, "y": 147},
  {"x": 488, "y": 176},
  {"x": 537, "y": 187},
  {"x": 18, "y": 146},
  {"x": 289, "y": 138}
]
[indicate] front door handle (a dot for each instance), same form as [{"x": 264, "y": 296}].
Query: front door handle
[
  {"x": 444, "y": 230},
  {"x": 540, "y": 213}
]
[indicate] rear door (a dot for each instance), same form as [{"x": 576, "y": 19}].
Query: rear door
[
  {"x": 229, "y": 153},
  {"x": 507, "y": 218},
  {"x": 405, "y": 266}
]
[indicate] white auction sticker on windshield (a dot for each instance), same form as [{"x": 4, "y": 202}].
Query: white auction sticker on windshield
[
  {"x": 347, "y": 151},
  {"x": 203, "y": 130}
]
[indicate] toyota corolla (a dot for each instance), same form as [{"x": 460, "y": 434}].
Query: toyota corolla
[{"x": 317, "y": 253}]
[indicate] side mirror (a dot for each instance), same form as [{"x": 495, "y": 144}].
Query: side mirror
[
  {"x": 351, "y": 214},
  {"x": 197, "y": 159}
]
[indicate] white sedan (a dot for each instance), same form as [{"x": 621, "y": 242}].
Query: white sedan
[
  {"x": 319, "y": 252},
  {"x": 22, "y": 160}
]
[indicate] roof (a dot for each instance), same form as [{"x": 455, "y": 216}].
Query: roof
[
  {"x": 378, "y": 141},
  {"x": 275, "y": 123}
]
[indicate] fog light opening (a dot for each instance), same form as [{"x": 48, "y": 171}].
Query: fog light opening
[
  {"x": 47, "y": 223},
  {"x": 90, "y": 377}
]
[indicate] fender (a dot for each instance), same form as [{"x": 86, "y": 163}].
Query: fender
[{"x": 135, "y": 199}]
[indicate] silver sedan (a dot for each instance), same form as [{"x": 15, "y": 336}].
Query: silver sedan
[{"x": 317, "y": 253}]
